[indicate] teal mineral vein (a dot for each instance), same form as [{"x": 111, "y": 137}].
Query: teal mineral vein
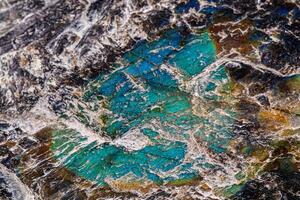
[{"x": 153, "y": 93}]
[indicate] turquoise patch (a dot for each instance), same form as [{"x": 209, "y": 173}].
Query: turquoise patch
[{"x": 148, "y": 94}]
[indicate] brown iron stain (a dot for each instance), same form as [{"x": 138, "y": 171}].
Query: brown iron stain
[
  {"x": 273, "y": 120},
  {"x": 237, "y": 38},
  {"x": 186, "y": 182},
  {"x": 260, "y": 154},
  {"x": 140, "y": 186}
]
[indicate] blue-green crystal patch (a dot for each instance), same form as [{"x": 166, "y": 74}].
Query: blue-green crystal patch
[{"x": 149, "y": 93}]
